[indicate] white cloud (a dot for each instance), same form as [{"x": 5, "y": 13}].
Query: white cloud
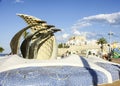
[
  {"x": 91, "y": 34},
  {"x": 62, "y": 37},
  {"x": 80, "y": 24},
  {"x": 87, "y": 34},
  {"x": 110, "y": 19},
  {"x": 19, "y": 1},
  {"x": 101, "y": 19},
  {"x": 65, "y": 36},
  {"x": 113, "y": 18},
  {"x": 76, "y": 32}
]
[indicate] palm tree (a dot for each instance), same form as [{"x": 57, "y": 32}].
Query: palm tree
[
  {"x": 1, "y": 49},
  {"x": 101, "y": 41}
]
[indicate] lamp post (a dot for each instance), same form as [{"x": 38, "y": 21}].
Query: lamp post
[{"x": 110, "y": 34}]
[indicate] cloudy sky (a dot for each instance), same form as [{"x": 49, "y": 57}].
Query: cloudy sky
[{"x": 92, "y": 18}]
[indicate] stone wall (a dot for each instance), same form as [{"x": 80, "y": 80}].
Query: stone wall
[{"x": 77, "y": 49}]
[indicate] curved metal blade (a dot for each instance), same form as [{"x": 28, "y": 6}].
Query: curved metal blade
[
  {"x": 15, "y": 40},
  {"x": 25, "y": 44}
]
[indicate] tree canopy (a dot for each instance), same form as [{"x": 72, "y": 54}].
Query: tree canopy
[
  {"x": 63, "y": 45},
  {"x": 1, "y": 49},
  {"x": 101, "y": 41}
]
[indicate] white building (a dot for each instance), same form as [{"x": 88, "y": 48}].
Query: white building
[
  {"x": 77, "y": 40},
  {"x": 80, "y": 40}
]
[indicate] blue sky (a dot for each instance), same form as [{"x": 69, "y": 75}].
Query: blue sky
[{"x": 93, "y": 18}]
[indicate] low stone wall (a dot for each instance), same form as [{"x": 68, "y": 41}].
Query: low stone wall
[{"x": 77, "y": 49}]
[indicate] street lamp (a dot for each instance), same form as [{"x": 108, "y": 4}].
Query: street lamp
[{"x": 110, "y": 34}]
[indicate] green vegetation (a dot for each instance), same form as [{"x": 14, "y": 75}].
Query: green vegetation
[
  {"x": 63, "y": 45},
  {"x": 102, "y": 41},
  {"x": 1, "y": 49}
]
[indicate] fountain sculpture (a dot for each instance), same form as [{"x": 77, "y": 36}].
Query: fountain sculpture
[
  {"x": 38, "y": 65},
  {"x": 40, "y": 44}
]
